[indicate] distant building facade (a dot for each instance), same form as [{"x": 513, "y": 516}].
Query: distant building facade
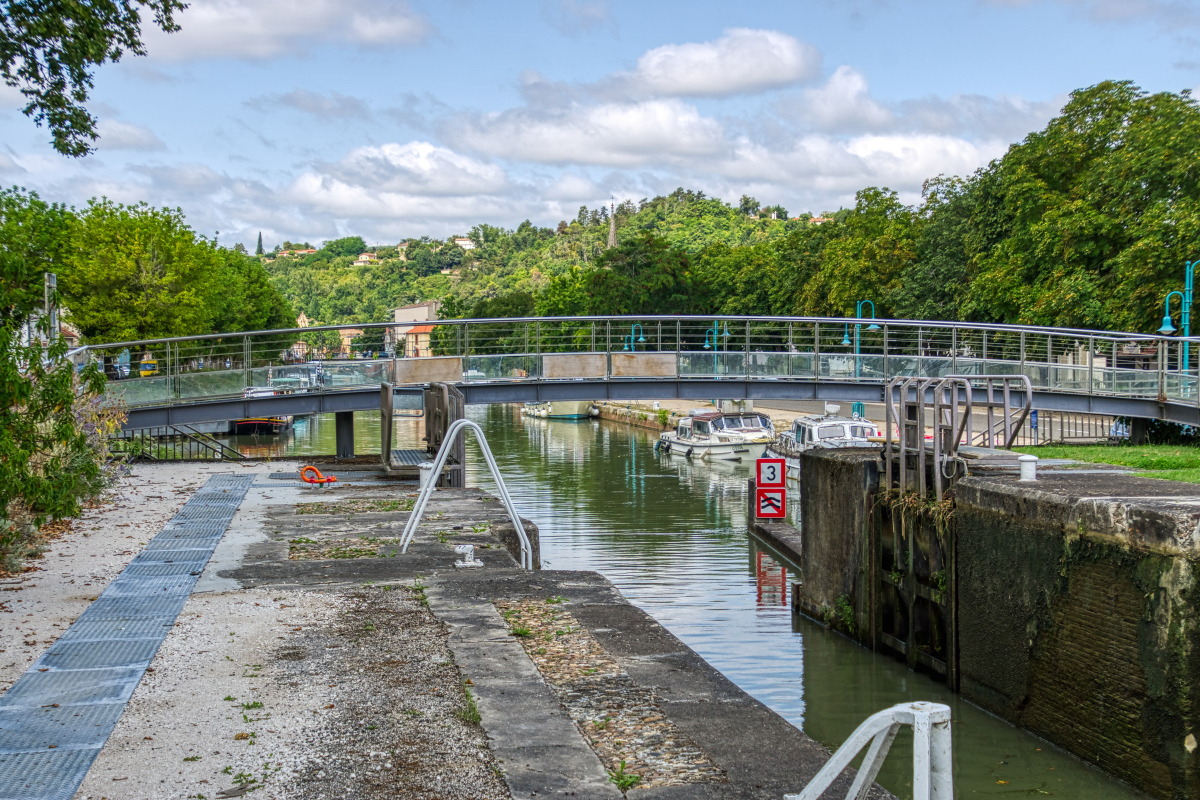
[{"x": 395, "y": 339}]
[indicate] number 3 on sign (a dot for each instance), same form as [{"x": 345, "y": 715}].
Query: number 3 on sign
[{"x": 771, "y": 472}]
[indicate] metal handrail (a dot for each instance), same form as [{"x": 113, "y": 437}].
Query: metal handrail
[
  {"x": 939, "y": 324},
  {"x": 414, "y": 519},
  {"x": 933, "y": 766}
]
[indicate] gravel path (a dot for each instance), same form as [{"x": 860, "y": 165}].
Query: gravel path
[{"x": 299, "y": 694}]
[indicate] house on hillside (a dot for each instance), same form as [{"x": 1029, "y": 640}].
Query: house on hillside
[
  {"x": 395, "y": 339},
  {"x": 348, "y": 335},
  {"x": 464, "y": 242},
  {"x": 416, "y": 341},
  {"x": 402, "y": 250},
  {"x": 366, "y": 260}
]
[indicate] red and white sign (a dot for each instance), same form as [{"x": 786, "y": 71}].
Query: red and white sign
[
  {"x": 770, "y": 471},
  {"x": 769, "y": 503}
]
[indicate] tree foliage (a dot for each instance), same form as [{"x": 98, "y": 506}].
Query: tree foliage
[
  {"x": 49, "y": 48},
  {"x": 47, "y": 464}
]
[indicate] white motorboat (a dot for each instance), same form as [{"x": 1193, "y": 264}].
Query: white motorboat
[
  {"x": 731, "y": 436},
  {"x": 561, "y": 409},
  {"x": 822, "y": 432}
]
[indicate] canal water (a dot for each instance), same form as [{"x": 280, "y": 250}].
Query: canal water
[{"x": 671, "y": 534}]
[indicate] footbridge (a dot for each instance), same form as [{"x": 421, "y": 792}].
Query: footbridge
[{"x": 298, "y": 371}]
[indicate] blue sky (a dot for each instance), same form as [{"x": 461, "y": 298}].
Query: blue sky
[{"x": 312, "y": 119}]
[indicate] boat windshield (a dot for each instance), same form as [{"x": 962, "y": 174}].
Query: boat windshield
[
  {"x": 861, "y": 431},
  {"x": 830, "y": 432}
]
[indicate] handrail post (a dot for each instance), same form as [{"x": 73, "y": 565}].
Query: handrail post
[
  {"x": 746, "y": 366},
  {"x": 791, "y": 348},
  {"x": 887, "y": 366},
  {"x": 1091, "y": 360},
  {"x": 933, "y": 767},
  {"x": 816, "y": 349},
  {"x": 954, "y": 350},
  {"x": 456, "y": 428}
]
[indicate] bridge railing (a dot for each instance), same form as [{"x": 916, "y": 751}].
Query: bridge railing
[{"x": 220, "y": 366}]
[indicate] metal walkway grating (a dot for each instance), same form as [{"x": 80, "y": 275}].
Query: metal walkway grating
[{"x": 92, "y": 670}]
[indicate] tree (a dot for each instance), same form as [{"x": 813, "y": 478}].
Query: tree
[
  {"x": 645, "y": 275},
  {"x": 934, "y": 286},
  {"x": 46, "y": 463},
  {"x": 748, "y": 206},
  {"x": 1088, "y": 222},
  {"x": 49, "y": 48},
  {"x": 347, "y": 246},
  {"x": 258, "y": 251}
]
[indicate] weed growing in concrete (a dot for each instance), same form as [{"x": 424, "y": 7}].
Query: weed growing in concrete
[
  {"x": 412, "y": 712},
  {"x": 521, "y": 632},
  {"x": 469, "y": 713},
  {"x": 193, "y": 758},
  {"x": 481, "y": 528},
  {"x": 255, "y": 704},
  {"x": 556, "y": 600},
  {"x": 600, "y": 724},
  {"x": 443, "y": 536},
  {"x": 623, "y": 780},
  {"x": 229, "y": 697},
  {"x": 369, "y": 627}
]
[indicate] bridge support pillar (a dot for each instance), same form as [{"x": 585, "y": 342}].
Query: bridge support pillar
[
  {"x": 1138, "y": 428},
  {"x": 344, "y": 425}
]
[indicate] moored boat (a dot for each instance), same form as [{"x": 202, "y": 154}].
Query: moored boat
[
  {"x": 731, "y": 436},
  {"x": 821, "y": 432},
  {"x": 260, "y": 425},
  {"x": 560, "y": 409}
]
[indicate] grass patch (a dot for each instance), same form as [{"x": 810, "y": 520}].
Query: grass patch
[
  {"x": 1183, "y": 475},
  {"x": 1140, "y": 457},
  {"x": 469, "y": 713}
]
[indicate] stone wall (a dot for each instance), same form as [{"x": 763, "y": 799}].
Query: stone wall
[
  {"x": 1077, "y": 620},
  {"x": 837, "y": 488}
]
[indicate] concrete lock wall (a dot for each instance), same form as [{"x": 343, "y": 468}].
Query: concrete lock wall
[
  {"x": 837, "y": 488},
  {"x": 643, "y": 365},
  {"x": 1077, "y": 620},
  {"x": 574, "y": 365},
  {"x": 447, "y": 369},
  {"x": 1074, "y": 617}
]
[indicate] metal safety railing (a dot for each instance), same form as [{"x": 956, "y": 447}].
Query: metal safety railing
[
  {"x": 933, "y": 766},
  {"x": 215, "y": 366},
  {"x": 172, "y": 443},
  {"x": 457, "y": 428},
  {"x": 952, "y": 401}
]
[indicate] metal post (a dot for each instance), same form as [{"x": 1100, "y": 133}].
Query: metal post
[
  {"x": 954, "y": 350},
  {"x": 791, "y": 348},
  {"x": 1049, "y": 361},
  {"x": 246, "y": 376},
  {"x": 746, "y": 366},
  {"x": 678, "y": 346},
  {"x": 593, "y": 336},
  {"x": 344, "y": 430},
  {"x": 816, "y": 349},
  {"x": 887, "y": 371},
  {"x": 1091, "y": 361}
]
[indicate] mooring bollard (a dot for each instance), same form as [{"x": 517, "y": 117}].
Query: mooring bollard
[
  {"x": 426, "y": 473},
  {"x": 1028, "y": 467}
]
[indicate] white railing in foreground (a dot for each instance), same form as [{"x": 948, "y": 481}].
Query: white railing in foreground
[
  {"x": 933, "y": 770},
  {"x": 456, "y": 428}
]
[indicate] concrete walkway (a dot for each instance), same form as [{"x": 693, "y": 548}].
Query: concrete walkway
[{"x": 55, "y": 719}]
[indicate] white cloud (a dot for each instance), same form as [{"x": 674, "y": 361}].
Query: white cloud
[
  {"x": 844, "y": 103},
  {"x": 741, "y": 61},
  {"x": 261, "y": 29},
  {"x": 614, "y": 134},
  {"x": 572, "y": 187},
  {"x": 113, "y": 135},
  {"x": 417, "y": 168}
]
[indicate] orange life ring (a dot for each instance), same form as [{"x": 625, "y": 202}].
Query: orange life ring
[{"x": 319, "y": 479}]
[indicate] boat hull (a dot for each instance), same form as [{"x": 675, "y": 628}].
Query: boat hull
[
  {"x": 747, "y": 451},
  {"x": 260, "y": 425}
]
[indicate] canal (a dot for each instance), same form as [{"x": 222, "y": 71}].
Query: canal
[{"x": 671, "y": 534}]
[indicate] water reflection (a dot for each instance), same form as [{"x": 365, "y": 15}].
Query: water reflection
[{"x": 671, "y": 534}]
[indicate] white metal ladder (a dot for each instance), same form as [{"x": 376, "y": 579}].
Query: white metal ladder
[
  {"x": 933, "y": 768},
  {"x": 439, "y": 462}
]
